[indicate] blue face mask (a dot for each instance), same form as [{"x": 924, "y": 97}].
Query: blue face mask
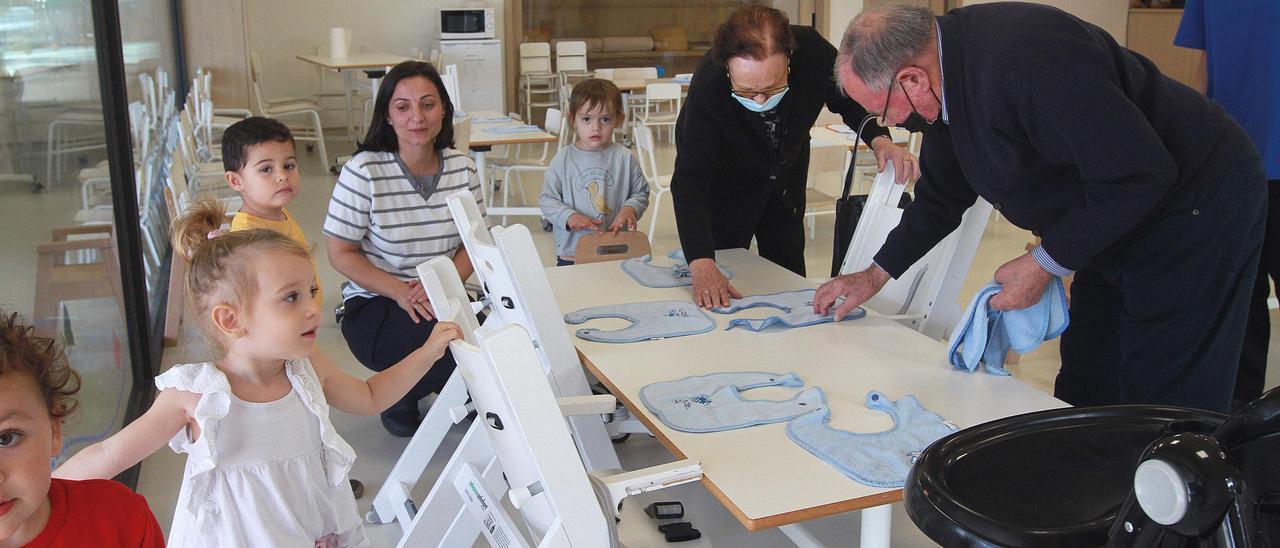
[{"x": 757, "y": 107}]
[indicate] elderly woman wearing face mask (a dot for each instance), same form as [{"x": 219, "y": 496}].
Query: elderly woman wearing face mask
[{"x": 742, "y": 144}]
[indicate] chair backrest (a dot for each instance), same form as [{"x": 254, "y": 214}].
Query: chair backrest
[
  {"x": 535, "y": 58},
  {"x": 552, "y": 121},
  {"x": 635, "y": 73},
  {"x": 598, "y": 247},
  {"x": 643, "y": 138},
  {"x": 255, "y": 78},
  {"x": 927, "y": 292},
  {"x": 450, "y": 78},
  {"x": 517, "y": 410},
  {"x": 571, "y": 56},
  {"x": 462, "y": 133},
  {"x": 662, "y": 92}
]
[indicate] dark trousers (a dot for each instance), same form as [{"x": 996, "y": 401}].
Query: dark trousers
[
  {"x": 1253, "y": 356},
  {"x": 1163, "y": 323},
  {"x": 380, "y": 334},
  {"x": 779, "y": 231}
]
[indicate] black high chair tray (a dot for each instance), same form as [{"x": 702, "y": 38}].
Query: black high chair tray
[{"x": 1051, "y": 478}]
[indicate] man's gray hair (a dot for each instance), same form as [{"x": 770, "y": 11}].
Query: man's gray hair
[{"x": 881, "y": 41}]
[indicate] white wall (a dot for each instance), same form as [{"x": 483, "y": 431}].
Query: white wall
[
  {"x": 841, "y": 12},
  {"x": 280, "y": 30},
  {"x": 1111, "y": 15}
]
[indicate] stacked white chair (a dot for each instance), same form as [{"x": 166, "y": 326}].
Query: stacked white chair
[
  {"x": 292, "y": 108},
  {"x": 539, "y": 86},
  {"x": 660, "y": 185}
]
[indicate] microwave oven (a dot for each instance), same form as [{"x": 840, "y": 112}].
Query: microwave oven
[{"x": 466, "y": 23}]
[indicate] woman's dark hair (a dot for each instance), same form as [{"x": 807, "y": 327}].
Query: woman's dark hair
[
  {"x": 755, "y": 32},
  {"x": 381, "y": 136}
]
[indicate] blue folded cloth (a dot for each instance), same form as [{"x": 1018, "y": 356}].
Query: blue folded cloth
[
  {"x": 491, "y": 119},
  {"x": 523, "y": 128},
  {"x": 985, "y": 336}
]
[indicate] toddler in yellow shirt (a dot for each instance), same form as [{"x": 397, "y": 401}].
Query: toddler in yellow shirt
[{"x": 262, "y": 165}]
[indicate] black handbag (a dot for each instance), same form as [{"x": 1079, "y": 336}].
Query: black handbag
[{"x": 848, "y": 211}]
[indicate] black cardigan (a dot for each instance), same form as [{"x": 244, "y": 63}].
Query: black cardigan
[
  {"x": 726, "y": 170},
  {"x": 1066, "y": 133}
]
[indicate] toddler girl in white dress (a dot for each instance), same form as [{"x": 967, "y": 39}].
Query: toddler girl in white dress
[{"x": 265, "y": 467}]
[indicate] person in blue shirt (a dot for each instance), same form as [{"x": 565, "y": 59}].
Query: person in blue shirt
[{"x": 1240, "y": 68}]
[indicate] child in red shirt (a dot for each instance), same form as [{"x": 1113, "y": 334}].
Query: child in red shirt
[{"x": 36, "y": 385}]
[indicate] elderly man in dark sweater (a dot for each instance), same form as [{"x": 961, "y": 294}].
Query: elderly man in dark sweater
[{"x": 1142, "y": 187}]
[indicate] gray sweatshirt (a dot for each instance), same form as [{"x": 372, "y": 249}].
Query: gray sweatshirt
[{"x": 594, "y": 183}]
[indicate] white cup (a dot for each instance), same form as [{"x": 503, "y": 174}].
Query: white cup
[{"x": 339, "y": 42}]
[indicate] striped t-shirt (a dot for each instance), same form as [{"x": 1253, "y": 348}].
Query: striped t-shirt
[{"x": 377, "y": 205}]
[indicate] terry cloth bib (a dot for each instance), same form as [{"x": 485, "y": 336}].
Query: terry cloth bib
[
  {"x": 649, "y": 320},
  {"x": 796, "y": 305},
  {"x": 988, "y": 335},
  {"x": 881, "y": 459},
  {"x": 712, "y": 403},
  {"x": 676, "y": 275}
]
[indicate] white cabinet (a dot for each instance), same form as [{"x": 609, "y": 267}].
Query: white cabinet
[{"x": 480, "y": 77}]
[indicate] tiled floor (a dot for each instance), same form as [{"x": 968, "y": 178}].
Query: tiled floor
[{"x": 161, "y": 474}]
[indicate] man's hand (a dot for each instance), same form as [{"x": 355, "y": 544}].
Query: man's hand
[
  {"x": 906, "y": 167},
  {"x": 1023, "y": 281},
  {"x": 710, "y": 288},
  {"x": 856, "y": 289}
]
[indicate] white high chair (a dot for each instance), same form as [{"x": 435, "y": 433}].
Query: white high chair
[
  {"x": 517, "y": 292},
  {"x": 923, "y": 297},
  {"x": 519, "y": 451}
]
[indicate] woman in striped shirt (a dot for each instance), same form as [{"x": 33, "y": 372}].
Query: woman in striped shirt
[{"x": 388, "y": 215}]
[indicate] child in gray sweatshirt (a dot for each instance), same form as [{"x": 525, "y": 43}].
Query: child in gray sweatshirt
[{"x": 593, "y": 184}]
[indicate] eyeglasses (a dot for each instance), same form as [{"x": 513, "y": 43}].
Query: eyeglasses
[
  {"x": 881, "y": 119},
  {"x": 767, "y": 93},
  {"x": 752, "y": 94}
]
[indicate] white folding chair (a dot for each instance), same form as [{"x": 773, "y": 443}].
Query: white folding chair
[
  {"x": 538, "y": 84},
  {"x": 291, "y": 108},
  {"x": 923, "y": 297},
  {"x": 571, "y": 63},
  {"x": 659, "y": 184},
  {"x": 661, "y": 107},
  {"x": 553, "y": 123},
  {"x": 634, "y": 102},
  {"x": 824, "y": 161}
]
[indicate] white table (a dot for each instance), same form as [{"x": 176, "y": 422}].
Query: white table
[
  {"x": 761, "y": 476},
  {"x": 482, "y": 141},
  {"x": 374, "y": 66}
]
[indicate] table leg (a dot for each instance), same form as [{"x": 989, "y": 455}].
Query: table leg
[
  {"x": 486, "y": 193},
  {"x": 877, "y": 522},
  {"x": 347, "y": 84},
  {"x": 801, "y": 536}
]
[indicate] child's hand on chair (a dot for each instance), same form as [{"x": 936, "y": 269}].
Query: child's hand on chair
[
  {"x": 578, "y": 221},
  {"x": 626, "y": 220},
  {"x": 438, "y": 342}
]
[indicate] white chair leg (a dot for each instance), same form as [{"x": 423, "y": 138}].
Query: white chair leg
[
  {"x": 50, "y": 152},
  {"x": 324, "y": 155},
  {"x": 653, "y": 219},
  {"x": 810, "y": 222}
]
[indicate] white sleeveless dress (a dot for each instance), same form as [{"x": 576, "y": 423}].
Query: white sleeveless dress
[{"x": 262, "y": 474}]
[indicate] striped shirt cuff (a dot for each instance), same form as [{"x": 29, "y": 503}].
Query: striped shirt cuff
[{"x": 1048, "y": 264}]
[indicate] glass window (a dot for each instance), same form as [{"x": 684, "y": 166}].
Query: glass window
[{"x": 62, "y": 258}]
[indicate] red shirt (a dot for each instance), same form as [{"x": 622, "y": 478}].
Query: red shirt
[{"x": 99, "y": 513}]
